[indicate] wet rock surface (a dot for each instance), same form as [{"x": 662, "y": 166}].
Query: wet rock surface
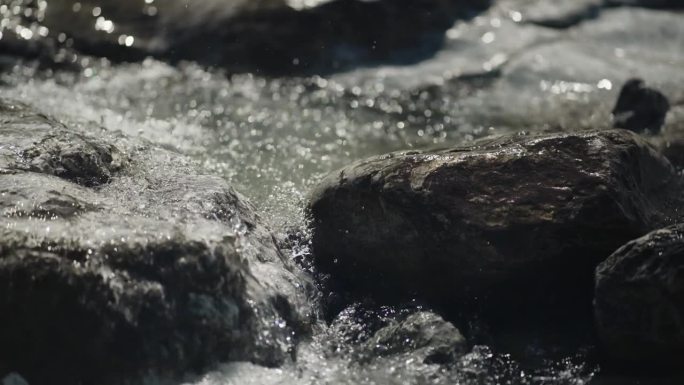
[
  {"x": 639, "y": 302},
  {"x": 381, "y": 334},
  {"x": 271, "y": 36},
  {"x": 34, "y": 143},
  {"x": 119, "y": 259},
  {"x": 330, "y": 37},
  {"x": 424, "y": 335},
  {"x": 507, "y": 221}
]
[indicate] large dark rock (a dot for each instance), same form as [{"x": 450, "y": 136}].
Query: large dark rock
[
  {"x": 639, "y": 304},
  {"x": 267, "y": 36},
  {"x": 329, "y": 37},
  {"x": 119, "y": 259},
  {"x": 504, "y": 222}
]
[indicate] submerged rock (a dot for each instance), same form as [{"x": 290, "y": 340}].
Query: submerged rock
[
  {"x": 639, "y": 108},
  {"x": 424, "y": 335},
  {"x": 118, "y": 259},
  {"x": 639, "y": 304},
  {"x": 369, "y": 335},
  {"x": 505, "y": 222}
]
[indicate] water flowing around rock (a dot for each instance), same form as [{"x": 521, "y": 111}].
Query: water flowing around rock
[
  {"x": 157, "y": 111},
  {"x": 118, "y": 258}
]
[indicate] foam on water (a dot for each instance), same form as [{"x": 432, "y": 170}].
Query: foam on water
[{"x": 271, "y": 138}]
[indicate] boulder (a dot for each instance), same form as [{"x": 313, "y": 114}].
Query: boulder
[
  {"x": 328, "y": 37},
  {"x": 119, "y": 259},
  {"x": 268, "y": 36},
  {"x": 639, "y": 301},
  {"x": 511, "y": 221},
  {"x": 422, "y": 334}
]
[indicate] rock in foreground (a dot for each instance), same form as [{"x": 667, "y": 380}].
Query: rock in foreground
[
  {"x": 639, "y": 304},
  {"x": 508, "y": 221},
  {"x": 119, "y": 259}
]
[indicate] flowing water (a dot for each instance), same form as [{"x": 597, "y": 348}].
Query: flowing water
[{"x": 273, "y": 138}]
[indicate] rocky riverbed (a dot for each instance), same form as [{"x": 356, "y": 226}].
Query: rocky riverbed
[{"x": 341, "y": 192}]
